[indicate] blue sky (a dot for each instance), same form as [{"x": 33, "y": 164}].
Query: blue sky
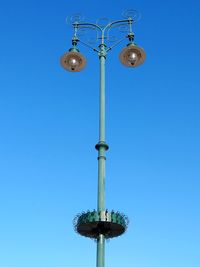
[{"x": 49, "y": 126}]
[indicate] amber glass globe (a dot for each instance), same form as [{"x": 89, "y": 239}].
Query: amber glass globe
[
  {"x": 132, "y": 56},
  {"x": 73, "y": 61}
]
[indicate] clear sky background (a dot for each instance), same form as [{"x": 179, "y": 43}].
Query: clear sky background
[{"x": 49, "y": 126}]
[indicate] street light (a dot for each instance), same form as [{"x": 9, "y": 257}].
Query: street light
[
  {"x": 132, "y": 56},
  {"x": 73, "y": 60},
  {"x": 102, "y": 224}
]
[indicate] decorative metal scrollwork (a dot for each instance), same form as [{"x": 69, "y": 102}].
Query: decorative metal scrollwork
[
  {"x": 132, "y": 13},
  {"x": 78, "y": 17}
]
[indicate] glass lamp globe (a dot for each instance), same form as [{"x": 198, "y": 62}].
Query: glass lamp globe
[
  {"x": 73, "y": 60},
  {"x": 132, "y": 56},
  {"x": 73, "y": 63}
]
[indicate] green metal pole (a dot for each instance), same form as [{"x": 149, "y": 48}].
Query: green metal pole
[
  {"x": 101, "y": 154},
  {"x": 102, "y": 147},
  {"x": 101, "y": 251}
]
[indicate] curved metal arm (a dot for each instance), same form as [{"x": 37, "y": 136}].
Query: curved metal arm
[
  {"x": 116, "y": 22},
  {"x": 87, "y": 24},
  {"x": 78, "y": 25},
  {"x": 109, "y": 25}
]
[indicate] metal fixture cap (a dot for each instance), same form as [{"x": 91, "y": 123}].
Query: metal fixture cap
[
  {"x": 132, "y": 56},
  {"x": 73, "y": 60}
]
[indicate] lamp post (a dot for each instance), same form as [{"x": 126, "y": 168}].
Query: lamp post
[{"x": 101, "y": 224}]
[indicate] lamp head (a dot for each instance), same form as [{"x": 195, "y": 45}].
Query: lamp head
[
  {"x": 132, "y": 56},
  {"x": 73, "y": 60}
]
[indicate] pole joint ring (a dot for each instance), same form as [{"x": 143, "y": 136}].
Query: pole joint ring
[
  {"x": 101, "y": 157},
  {"x": 102, "y": 144}
]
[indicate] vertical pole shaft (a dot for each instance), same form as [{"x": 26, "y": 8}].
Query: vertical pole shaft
[
  {"x": 101, "y": 146},
  {"x": 101, "y": 251},
  {"x": 102, "y": 98},
  {"x": 101, "y": 154}
]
